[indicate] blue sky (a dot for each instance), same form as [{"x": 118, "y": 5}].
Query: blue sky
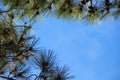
[{"x": 91, "y": 51}]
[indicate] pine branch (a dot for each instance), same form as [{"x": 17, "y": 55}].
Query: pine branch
[{"x": 7, "y": 78}]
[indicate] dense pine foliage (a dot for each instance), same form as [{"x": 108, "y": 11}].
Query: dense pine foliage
[
  {"x": 90, "y": 10},
  {"x": 20, "y": 55}
]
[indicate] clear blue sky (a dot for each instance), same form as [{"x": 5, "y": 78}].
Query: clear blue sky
[{"x": 91, "y": 51}]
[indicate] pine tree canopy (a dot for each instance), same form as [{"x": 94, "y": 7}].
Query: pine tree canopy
[
  {"x": 20, "y": 59},
  {"x": 20, "y": 56},
  {"x": 90, "y": 10}
]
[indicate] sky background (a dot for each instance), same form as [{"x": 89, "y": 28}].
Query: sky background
[{"x": 91, "y": 51}]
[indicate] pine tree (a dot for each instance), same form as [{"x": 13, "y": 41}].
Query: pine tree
[
  {"x": 18, "y": 51},
  {"x": 18, "y": 48},
  {"x": 18, "y": 54},
  {"x": 90, "y": 10}
]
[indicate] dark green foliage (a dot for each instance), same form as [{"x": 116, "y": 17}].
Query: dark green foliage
[
  {"x": 90, "y": 10},
  {"x": 18, "y": 49}
]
